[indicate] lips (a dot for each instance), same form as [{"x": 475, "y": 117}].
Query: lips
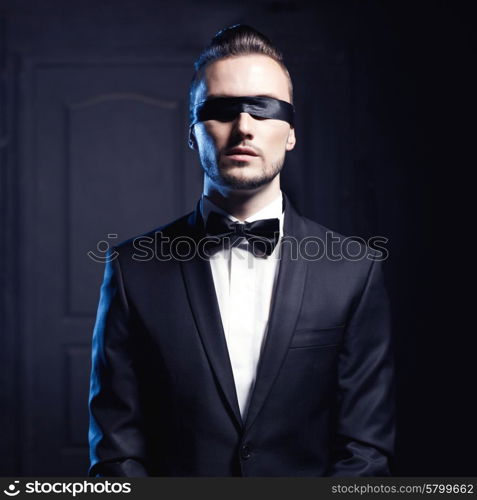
[{"x": 239, "y": 151}]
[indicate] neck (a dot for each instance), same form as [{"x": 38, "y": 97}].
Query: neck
[{"x": 244, "y": 202}]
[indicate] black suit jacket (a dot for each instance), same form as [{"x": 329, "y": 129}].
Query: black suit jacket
[{"x": 162, "y": 398}]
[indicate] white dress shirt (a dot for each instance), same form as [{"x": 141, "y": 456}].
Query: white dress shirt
[{"x": 244, "y": 286}]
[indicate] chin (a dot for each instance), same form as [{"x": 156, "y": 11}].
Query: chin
[{"x": 244, "y": 182}]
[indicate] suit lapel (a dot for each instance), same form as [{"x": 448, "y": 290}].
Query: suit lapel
[
  {"x": 286, "y": 305},
  {"x": 203, "y": 301}
]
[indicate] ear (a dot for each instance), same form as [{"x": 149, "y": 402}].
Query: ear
[
  {"x": 291, "y": 141},
  {"x": 192, "y": 139}
]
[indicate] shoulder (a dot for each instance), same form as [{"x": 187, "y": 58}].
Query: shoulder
[
  {"x": 146, "y": 245},
  {"x": 174, "y": 228},
  {"x": 349, "y": 247},
  {"x": 313, "y": 228},
  {"x": 341, "y": 258}
]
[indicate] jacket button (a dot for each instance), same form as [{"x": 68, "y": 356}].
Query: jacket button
[{"x": 245, "y": 452}]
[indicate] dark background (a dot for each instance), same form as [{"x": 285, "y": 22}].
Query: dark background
[{"x": 93, "y": 142}]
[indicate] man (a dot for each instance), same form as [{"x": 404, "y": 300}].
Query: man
[{"x": 226, "y": 352}]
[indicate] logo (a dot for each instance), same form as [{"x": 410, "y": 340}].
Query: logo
[
  {"x": 103, "y": 246},
  {"x": 12, "y": 491}
]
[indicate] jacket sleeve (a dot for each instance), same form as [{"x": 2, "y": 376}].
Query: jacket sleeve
[
  {"x": 365, "y": 428},
  {"x": 117, "y": 443}
]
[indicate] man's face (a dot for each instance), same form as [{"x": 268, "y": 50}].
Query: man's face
[{"x": 247, "y": 152}]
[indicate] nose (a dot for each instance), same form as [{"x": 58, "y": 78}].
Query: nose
[{"x": 244, "y": 125}]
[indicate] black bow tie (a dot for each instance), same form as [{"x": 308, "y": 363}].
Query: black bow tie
[{"x": 262, "y": 235}]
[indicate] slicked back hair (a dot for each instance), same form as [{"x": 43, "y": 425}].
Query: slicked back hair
[{"x": 237, "y": 40}]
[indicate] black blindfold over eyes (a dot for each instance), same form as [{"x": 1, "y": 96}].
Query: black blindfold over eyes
[{"x": 228, "y": 108}]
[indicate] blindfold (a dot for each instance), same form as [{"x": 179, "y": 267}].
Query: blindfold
[{"x": 226, "y": 109}]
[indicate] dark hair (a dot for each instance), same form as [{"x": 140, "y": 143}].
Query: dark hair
[{"x": 237, "y": 40}]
